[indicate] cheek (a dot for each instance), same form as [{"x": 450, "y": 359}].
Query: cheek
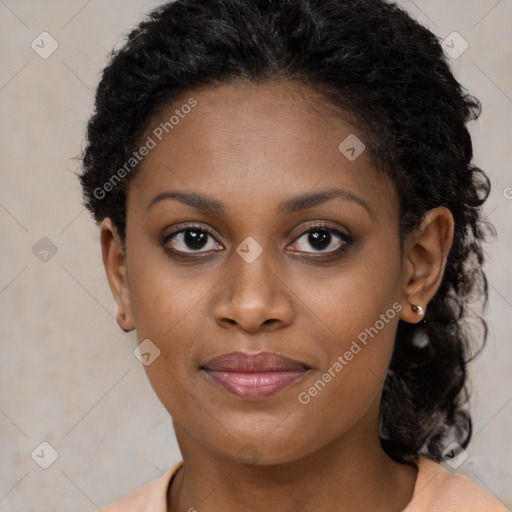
[
  {"x": 163, "y": 295},
  {"x": 343, "y": 391},
  {"x": 170, "y": 307},
  {"x": 162, "y": 309},
  {"x": 352, "y": 298},
  {"x": 360, "y": 308}
]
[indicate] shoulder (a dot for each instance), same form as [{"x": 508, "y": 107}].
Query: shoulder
[
  {"x": 441, "y": 491},
  {"x": 151, "y": 497}
]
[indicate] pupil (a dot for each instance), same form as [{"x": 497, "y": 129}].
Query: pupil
[
  {"x": 195, "y": 239},
  {"x": 319, "y": 239}
]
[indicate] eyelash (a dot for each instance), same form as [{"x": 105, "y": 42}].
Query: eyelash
[{"x": 345, "y": 239}]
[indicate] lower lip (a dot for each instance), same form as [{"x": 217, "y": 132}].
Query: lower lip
[{"x": 254, "y": 386}]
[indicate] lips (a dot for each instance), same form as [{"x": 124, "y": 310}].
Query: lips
[{"x": 254, "y": 376}]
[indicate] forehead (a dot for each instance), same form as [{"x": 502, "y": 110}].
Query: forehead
[{"x": 255, "y": 143}]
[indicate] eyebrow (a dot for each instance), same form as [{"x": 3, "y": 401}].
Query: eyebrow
[
  {"x": 301, "y": 202},
  {"x": 197, "y": 201},
  {"x": 308, "y": 200}
]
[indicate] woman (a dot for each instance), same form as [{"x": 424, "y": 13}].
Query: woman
[{"x": 291, "y": 222}]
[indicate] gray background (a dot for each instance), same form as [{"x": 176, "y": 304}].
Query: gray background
[{"x": 68, "y": 374}]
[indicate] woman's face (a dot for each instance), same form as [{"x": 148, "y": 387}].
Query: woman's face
[{"x": 253, "y": 268}]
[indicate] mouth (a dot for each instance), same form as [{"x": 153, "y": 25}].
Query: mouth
[{"x": 254, "y": 376}]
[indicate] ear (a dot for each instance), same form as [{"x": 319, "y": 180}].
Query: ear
[
  {"x": 425, "y": 253},
  {"x": 114, "y": 261}
]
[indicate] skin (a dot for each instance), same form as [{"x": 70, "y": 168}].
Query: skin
[{"x": 252, "y": 147}]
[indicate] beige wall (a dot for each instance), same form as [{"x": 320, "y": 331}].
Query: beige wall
[{"x": 68, "y": 375}]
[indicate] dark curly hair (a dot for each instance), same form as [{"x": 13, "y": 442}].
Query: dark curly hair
[{"x": 375, "y": 63}]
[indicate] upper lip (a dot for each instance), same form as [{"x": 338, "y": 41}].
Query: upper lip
[{"x": 260, "y": 362}]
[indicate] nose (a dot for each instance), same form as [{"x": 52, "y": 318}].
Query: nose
[{"x": 254, "y": 296}]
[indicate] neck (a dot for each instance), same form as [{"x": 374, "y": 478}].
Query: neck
[{"x": 352, "y": 473}]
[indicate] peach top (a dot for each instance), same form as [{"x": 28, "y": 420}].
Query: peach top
[{"x": 436, "y": 490}]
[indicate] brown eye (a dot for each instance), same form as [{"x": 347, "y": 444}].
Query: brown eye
[
  {"x": 191, "y": 240},
  {"x": 323, "y": 239}
]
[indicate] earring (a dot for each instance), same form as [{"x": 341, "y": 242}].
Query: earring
[{"x": 418, "y": 310}]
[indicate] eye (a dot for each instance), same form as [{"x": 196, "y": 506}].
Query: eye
[
  {"x": 190, "y": 240},
  {"x": 323, "y": 238},
  {"x": 200, "y": 240}
]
